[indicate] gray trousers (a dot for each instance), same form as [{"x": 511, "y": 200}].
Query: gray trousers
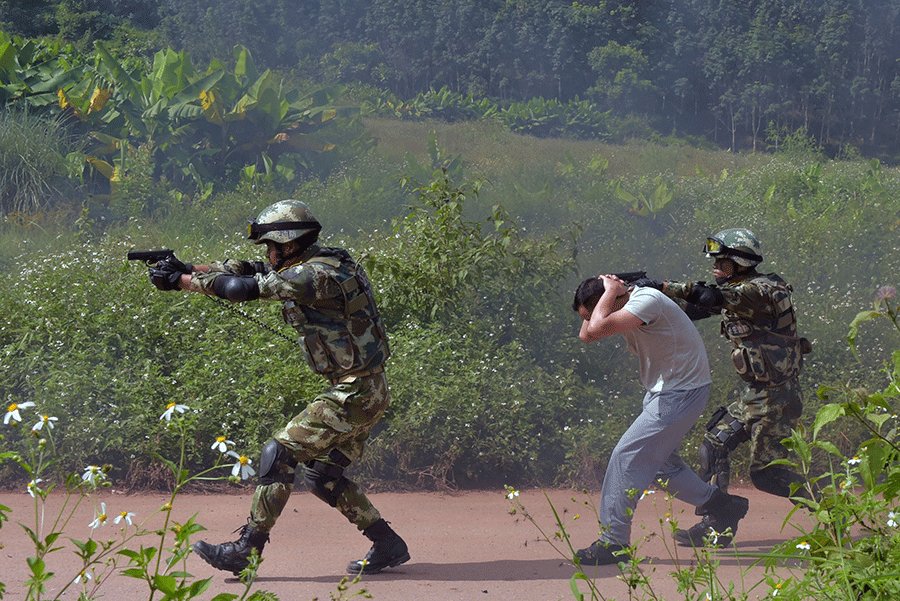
[{"x": 648, "y": 451}]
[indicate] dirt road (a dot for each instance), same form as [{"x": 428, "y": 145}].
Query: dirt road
[{"x": 464, "y": 546}]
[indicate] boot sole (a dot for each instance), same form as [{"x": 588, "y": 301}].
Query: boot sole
[{"x": 391, "y": 564}]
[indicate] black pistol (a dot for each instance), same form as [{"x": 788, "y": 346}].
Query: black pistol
[
  {"x": 150, "y": 256},
  {"x": 630, "y": 276}
]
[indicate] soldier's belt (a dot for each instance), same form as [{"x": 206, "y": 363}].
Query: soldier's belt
[{"x": 358, "y": 374}]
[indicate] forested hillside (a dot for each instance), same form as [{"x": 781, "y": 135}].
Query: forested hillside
[{"x": 742, "y": 74}]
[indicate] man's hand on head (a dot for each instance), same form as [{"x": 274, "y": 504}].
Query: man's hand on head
[{"x": 612, "y": 283}]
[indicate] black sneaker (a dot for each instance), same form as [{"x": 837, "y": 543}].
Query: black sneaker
[
  {"x": 721, "y": 514},
  {"x": 602, "y": 553}
]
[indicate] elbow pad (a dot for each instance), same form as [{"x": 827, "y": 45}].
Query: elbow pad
[{"x": 236, "y": 288}]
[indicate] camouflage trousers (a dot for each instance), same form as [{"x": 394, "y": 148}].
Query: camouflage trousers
[
  {"x": 339, "y": 418},
  {"x": 769, "y": 413}
]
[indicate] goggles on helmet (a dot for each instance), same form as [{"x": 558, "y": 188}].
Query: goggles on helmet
[
  {"x": 716, "y": 248},
  {"x": 255, "y": 230}
]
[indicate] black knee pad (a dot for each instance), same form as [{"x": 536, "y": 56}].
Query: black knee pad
[
  {"x": 739, "y": 431},
  {"x": 319, "y": 474},
  {"x": 274, "y": 455}
]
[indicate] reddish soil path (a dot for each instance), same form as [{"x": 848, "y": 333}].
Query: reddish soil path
[{"x": 464, "y": 546}]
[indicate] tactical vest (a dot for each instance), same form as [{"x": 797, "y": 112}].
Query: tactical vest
[
  {"x": 342, "y": 334},
  {"x": 766, "y": 349}
]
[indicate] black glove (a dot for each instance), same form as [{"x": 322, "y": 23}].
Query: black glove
[
  {"x": 648, "y": 283},
  {"x": 165, "y": 279},
  {"x": 705, "y": 296},
  {"x": 173, "y": 264},
  {"x": 166, "y": 274}
]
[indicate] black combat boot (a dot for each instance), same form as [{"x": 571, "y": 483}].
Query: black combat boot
[
  {"x": 233, "y": 557},
  {"x": 388, "y": 550},
  {"x": 721, "y": 512}
]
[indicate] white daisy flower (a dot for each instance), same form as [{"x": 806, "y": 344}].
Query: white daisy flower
[
  {"x": 45, "y": 420},
  {"x": 100, "y": 518},
  {"x": 171, "y": 408},
  {"x": 33, "y": 487},
  {"x": 92, "y": 474},
  {"x": 82, "y": 575},
  {"x": 125, "y": 515},
  {"x": 241, "y": 466},
  {"x": 221, "y": 444},
  {"x": 12, "y": 412}
]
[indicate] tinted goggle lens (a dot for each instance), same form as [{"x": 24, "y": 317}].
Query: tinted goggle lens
[{"x": 714, "y": 247}]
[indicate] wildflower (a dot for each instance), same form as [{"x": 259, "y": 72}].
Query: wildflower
[
  {"x": 82, "y": 575},
  {"x": 777, "y": 588},
  {"x": 125, "y": 515},
  {"x": 645, "y": 493},
  {"x": 33, "y": 487},
  {"x": 855, "y": 461},
  {"x": 241, "y": 466},
  {"x": 221, "y": 444},
  {"x": 713, "y": 536},
  {"x": 513, "y": 493},
  {"x": 92, "y": 474},
  {"x": 804, "y": 546},
  {"x": 100, "y": 518},
  {"x": 167, "y": 507},
  {"x": 885, "y": 292},
  {"x": 12, "y": 412},
  {"x": 172, "y": 408},
  {"x": 892, "y": 519},
  {"x": 45, "y": 419}
]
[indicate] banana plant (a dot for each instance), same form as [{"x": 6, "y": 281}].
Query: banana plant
[{"x": 202, "y": 126}]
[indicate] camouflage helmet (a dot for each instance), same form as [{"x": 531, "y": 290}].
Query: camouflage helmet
[
  {"x": 738, "y": 244},
  {"x": 282, "y": 222}
]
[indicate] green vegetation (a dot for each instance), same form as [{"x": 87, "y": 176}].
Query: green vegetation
[
  {"x": 728, "y": 72},
  {"x": 476, "y": 207},
  {"x": 475, "y": 281}
]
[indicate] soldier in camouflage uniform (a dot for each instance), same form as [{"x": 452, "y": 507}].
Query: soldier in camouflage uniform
[
  {"x": 758, "y": 318},
  {"x": 327, "y": 298}
]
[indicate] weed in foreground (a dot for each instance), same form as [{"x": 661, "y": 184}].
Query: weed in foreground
[{"x": 154, "y": 555}]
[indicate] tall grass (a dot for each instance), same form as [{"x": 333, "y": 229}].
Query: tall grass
[{"x": 34, "y": 169}]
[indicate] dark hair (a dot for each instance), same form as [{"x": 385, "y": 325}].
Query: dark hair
[{"x": 588, "y": 294}]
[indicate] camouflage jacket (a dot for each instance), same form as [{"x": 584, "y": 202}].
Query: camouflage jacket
[
  {"x": 327, "y": 298},
  {"x": 758, "y": 318}
]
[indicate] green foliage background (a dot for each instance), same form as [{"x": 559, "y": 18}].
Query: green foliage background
[{"x": 474, "y": 276}]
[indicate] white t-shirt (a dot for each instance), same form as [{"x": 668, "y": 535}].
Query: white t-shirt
[{"x": 668, "y": 346}]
